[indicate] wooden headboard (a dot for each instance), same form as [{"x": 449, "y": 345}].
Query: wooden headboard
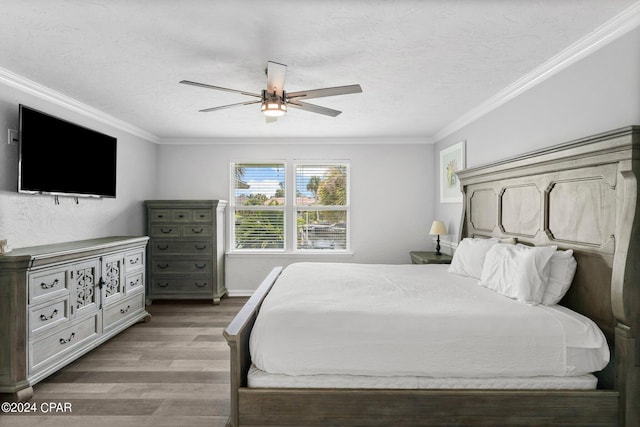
[{"x": 581, "y": 195}]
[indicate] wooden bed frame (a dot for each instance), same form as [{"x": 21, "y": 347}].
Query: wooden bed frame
[{"x": 582, "y": 196}]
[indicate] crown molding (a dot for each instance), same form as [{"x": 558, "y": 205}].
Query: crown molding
[
  {"x": 294, "y": 141},
  {"x": 601, "y": 36},
  {"x": 42, "y": 92}
]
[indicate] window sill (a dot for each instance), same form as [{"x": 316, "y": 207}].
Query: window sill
[{"x": 288, "y": 254}]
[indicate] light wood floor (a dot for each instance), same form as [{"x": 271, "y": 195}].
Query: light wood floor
[{"x": 171, "y": 371}]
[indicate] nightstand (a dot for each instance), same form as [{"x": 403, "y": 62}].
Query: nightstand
[{"x": 418, "y": 257}]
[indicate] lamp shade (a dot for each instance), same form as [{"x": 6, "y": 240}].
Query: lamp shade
[{"x": 438, "y": 228}]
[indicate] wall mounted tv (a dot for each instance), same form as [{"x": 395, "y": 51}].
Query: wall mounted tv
[{"x": 61, "y": 158}]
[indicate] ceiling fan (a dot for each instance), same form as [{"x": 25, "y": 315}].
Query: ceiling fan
[{"x": 275, "y": 100}]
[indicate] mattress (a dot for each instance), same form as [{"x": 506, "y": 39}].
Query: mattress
[
  {"x": 414, "y": 321},
  {"x": 260, "y": 379}
]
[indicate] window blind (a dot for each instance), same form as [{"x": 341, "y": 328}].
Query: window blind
[
  {"x": 314, "y": 200},
  {"x": 321, "y": 206},
  {"x": 258, "y": 205}
]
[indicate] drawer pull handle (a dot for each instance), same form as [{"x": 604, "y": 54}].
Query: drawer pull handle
[
  {"x": 201, "y": 285},
  {"x": 203, "y": 216},
  {"x": 198, "y": 247},
  {"x": 163, "y": 285},
  {"x": 201, "y": 266},
  {"x": 166, "y": 231},
  {"x": 124, "y": 310},
  {"x": 160, "y": 216},
  {"x": 44, "y": 317},
  {"x": 194, "y": 231},
  {"x": 68, "y": 340},
  {"x": 134, "y": 283},
  {"x": 48, "y": 286},
  {"x": 134, "y": 261},
  {"x": 163, "y": 265},
  {"x": 162, "y": 248},
  {"x": 181, "y": 216}
]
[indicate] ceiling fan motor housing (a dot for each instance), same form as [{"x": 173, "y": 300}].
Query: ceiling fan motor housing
[{"x": 272, "y": 104}]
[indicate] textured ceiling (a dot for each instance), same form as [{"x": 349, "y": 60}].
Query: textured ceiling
[{"x": 421, "y": 64}]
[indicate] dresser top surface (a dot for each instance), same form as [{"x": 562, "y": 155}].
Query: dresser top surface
[
  {"x": 185, "y": 203},
  {"x": 69, "y": 248}
]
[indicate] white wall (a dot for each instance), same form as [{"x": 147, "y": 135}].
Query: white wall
[
  {"x": 599, "y": 93},
  {"x": 391, "y": 194},
  {"x": 28, "y": 220}
]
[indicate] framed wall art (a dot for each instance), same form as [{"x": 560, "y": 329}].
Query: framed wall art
[{"x": 452, "y": 159}]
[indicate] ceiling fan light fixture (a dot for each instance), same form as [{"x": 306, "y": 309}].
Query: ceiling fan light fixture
[{"x": 273, "y": 108}]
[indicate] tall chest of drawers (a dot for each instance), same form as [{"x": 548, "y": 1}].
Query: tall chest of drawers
[
  {"x": 186, "y": 251},
  {"x": 60, "y": 301}
]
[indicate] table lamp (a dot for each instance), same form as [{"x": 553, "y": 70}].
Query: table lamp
[{"x": 438, "y": 229}]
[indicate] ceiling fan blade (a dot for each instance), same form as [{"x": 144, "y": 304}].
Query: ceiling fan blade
[
  {"x": 313, "y": 108},
  {"x": 222, "y": 107},
  {"x": 276, "y": 73},
  {"x": 329, "y": 91},
  {"x": 187, "y": 82}
]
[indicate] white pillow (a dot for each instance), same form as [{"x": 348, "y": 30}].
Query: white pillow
[
  {"x": 562, "y": 269},
  {"x": 518, "y": 271},
  {"x": 468, "y": 259}
]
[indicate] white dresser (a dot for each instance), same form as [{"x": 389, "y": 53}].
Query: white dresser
[{"x": 59, "y": 301}]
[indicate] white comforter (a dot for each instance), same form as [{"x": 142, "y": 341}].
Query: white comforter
[{"x": 371, "y": 319}]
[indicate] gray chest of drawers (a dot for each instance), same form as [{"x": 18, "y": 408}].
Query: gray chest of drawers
[{"x": 186, "y": 250}]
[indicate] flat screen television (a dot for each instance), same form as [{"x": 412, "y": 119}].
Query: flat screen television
[{"x": 62, "y": 158}]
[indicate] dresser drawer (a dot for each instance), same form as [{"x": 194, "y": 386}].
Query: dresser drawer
[
  {"x": 186, "y": 285},
  {"x": 202, "y": 215},
  {"x": 171, "y": 265},
  {"x": 159, "y": 215},
  {"x": 196, "y": 230},
  {"x": 47, "y": 284},
  {"x": 45, "y": 316},
  {"x": 181, "y": 215},
  {"x": 134, "y": 282},
  {"x": 63, "y": 341},
  {"x": 184, "y": 247},
  {"x": 166, "y": 230},
  {"x": 134, "y": 261},
  {"x": 122, "y": 310}
]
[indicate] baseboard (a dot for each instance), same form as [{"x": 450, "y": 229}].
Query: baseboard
[{"x": 240, "y": 292}]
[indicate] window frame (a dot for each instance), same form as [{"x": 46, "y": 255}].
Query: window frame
[
  {"x": 346, "y": 207},
  {"x": 233, "y": 207},
  {"x": 290, "y": 208}
]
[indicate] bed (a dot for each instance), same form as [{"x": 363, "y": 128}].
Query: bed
[{"x": 579, "y": 196}]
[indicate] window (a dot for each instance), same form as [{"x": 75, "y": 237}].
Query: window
[
  {"x": 308, "y": 213},
  {"x": 258, "y": 206},
  {"x": 321, "y": 206}
]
